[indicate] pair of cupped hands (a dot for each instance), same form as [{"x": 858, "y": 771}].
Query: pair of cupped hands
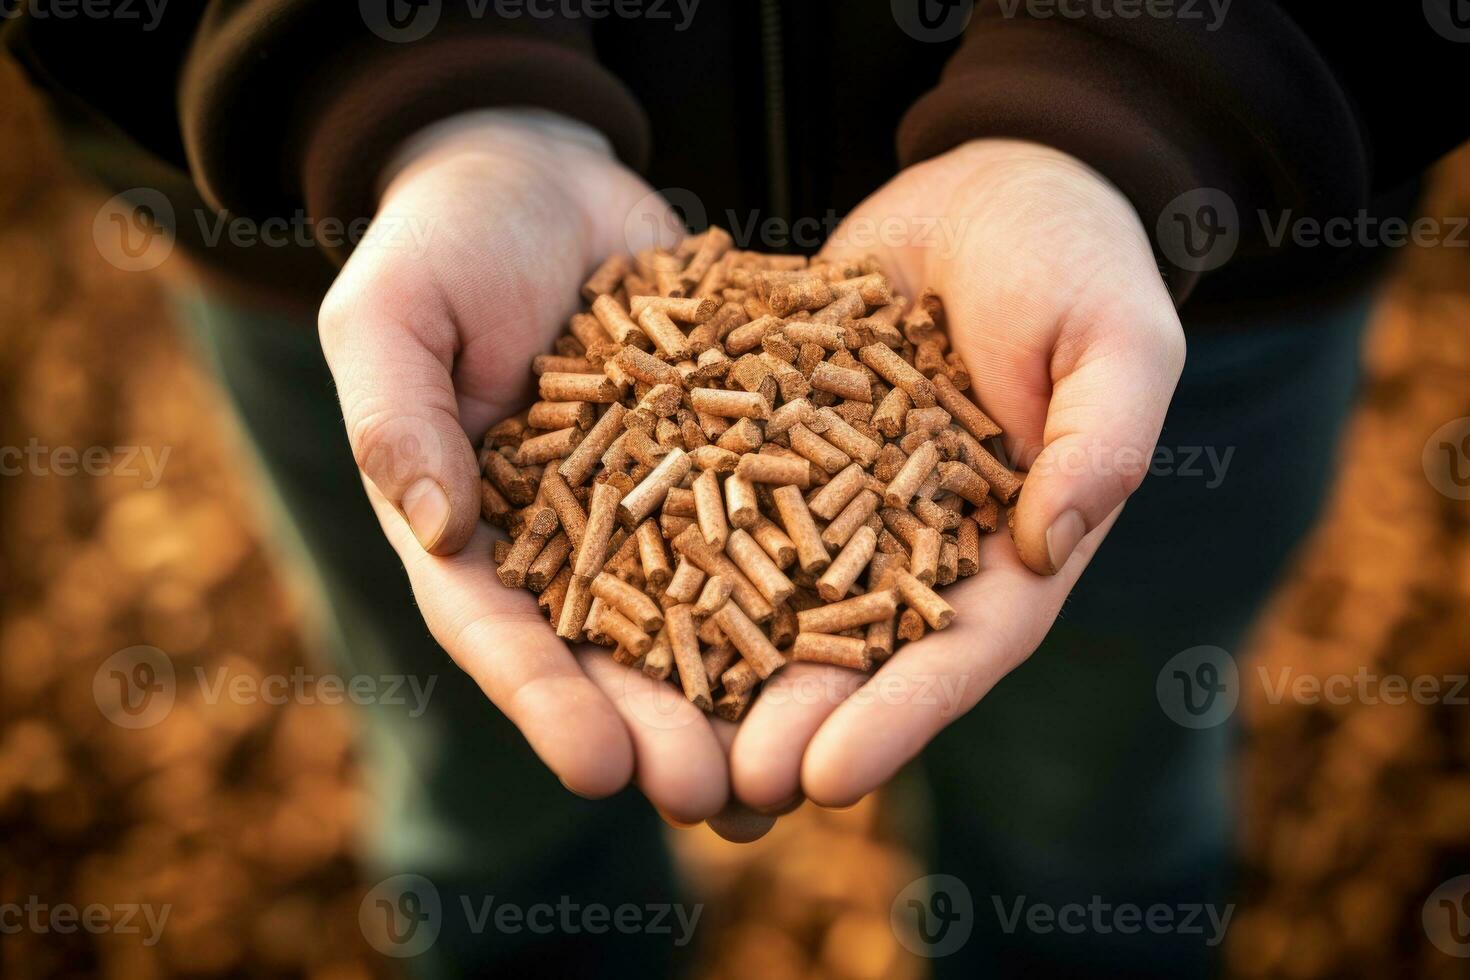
[{"x": 1055, "y": 304}]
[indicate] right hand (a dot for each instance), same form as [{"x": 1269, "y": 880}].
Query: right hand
[{"x": 487, "y": 226}]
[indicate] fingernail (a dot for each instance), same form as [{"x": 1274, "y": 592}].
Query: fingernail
[
  {"x": 568, "y": 787},
  {"x": 672, "y": 821},
  {"x": 1062, "y": 538},
  {"x": 782, "y": 808},
  {"x": 427, "y": 510}
]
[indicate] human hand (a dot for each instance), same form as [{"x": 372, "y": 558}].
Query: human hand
[
  {"x": 506, "y": 213},
  {"x": 1055, "y": 304}
]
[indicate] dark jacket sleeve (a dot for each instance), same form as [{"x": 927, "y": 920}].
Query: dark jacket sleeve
[
  {"x": 1271, "y": 106},
  {"x": 275, "y": 105}
]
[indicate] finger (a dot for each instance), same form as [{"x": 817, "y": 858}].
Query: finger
[
  {"x": 1005, "y": 612},
  {"x": 1076, "y": 356},
  {"x": 737, "y": 823},
  {"x": 765, "y": 761},
  {"x": 389, "y": 343},
  {"x": 678, "y": 763},
  {"x": 499, "y": 637},
  {"x": 1102, "y": 425}
]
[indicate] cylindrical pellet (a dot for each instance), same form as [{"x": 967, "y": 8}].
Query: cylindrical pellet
[
  {"x": 741, "y": 504},
  {"x": 556, "y": 386},
  {"x": 740, "y": 678},
  {"x": 918, "y": 596},
  {"x": 958, "y": 478},
  {"x": 839, "y": 651},
  {"x": 857, "y": 611},
  {"x": 969, "y": 545},
  {"x": 828, "y": 502},
  {"x": 642, "y": 611},
  {"x": 684, "y": 586},
  {"x": 774, "y": 542},
  {"x": 643, "y": 366},
  {"x": 559, "y": 415},
  {"x": 601, "y": 519},
  {"x": 770, "y": 468},
  {"x": 848, "y": 439},
  {"x": 924, "y": 555},
  {"x": 686, "y": 657},
  {"x": 714, "y": 594},
  {"x": 848, "y": 565},
  {"x": 579, "y": 466},
  {"x": 646, "y": 496},
  {"x": 810, "y": 552},
  {"x": 915, "y": 470},
  {"x": 652, "y": 555},
  {"x": 818, "y": 450},
  {"x": 549, "y": 562},
  {"x": 853, "y": 516},
  {"x": 548, "y": 446},
  {"x": 842, "y": 382},
  {"x": 558, "y": 495},
  {"x": 615, "y": 320},
  {"x": 758, "y": 651},
  {"x": 709, "y": 506},
  {"x": 758, "y": 567},
  {"x": 899, "y": 373},
  {"x": 965, "y": 412},
  {"x": 621, "y": 630},
  {"x": 607, "y": 277},
  {"x": 658, "y": 663},
  {"x": 730, "y": 404},
  {"x": 691, "y": 309},
  {"x": 573, "y": 620},
  {"x": 889, "y": 417},
  {"x": 666, "y": 336}
]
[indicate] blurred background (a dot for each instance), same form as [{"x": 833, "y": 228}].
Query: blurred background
[{"x": 242, "y": 817}]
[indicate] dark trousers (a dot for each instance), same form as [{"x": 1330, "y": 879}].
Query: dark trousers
[{"x": 1065, "y": 798}]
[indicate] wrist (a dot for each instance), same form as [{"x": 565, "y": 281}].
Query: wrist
[
  {"x": 496, "y": 134},
  {"x": 534, "y": 153},
  {"x": 1043, "y": 201}
]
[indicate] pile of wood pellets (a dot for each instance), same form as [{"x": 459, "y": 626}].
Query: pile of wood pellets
[{"x": 739, "y": 460}]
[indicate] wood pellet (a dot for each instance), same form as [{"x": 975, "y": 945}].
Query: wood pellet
[{"x": 738, "y": 460}]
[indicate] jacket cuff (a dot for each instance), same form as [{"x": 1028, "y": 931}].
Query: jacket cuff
[
  {"x": 1192, "y": 134},
  {"x": 330, "y": 157}
]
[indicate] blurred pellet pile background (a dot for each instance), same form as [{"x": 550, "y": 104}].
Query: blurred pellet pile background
[{"x": 242, "y": 816}]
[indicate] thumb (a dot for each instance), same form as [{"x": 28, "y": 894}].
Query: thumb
[
  {"x": 1106, "y": 412},
  {"x": 393, "y": 375}
]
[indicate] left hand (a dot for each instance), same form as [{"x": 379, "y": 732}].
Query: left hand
[{"x": 1056, "y": 306}]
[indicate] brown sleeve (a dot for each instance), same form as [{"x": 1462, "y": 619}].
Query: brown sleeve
[
  {"x": 278, "y": 105},
  {"x": 1258, "y": 107}
]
